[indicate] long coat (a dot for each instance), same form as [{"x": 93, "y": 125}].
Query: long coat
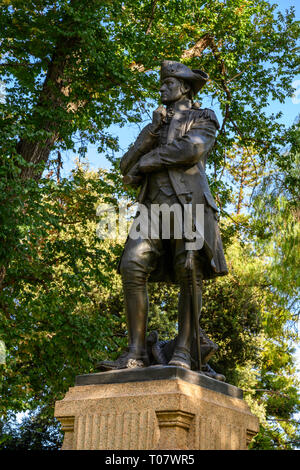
[{"x": 191, "y": 136}]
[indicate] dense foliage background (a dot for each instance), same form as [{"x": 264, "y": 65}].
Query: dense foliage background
[{"x": 70, "y": 70}]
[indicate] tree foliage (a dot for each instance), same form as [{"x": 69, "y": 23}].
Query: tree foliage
[
  {"x": 70, "y": 69},
  {"x": 35, "y": 431},
  {"x": 73, "y": 69},
  {"x": 276, "y": 218},
  {"x": 58, "y": 293}
]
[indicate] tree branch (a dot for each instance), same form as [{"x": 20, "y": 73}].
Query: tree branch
[
  {"x": 198, "y": 48},
  {"x": 148, "y": 30}
]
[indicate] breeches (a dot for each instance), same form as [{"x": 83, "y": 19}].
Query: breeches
[{"x": 142, "y": 255}]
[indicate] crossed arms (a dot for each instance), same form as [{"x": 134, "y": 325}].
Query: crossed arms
[{"x": 146, "y": 157}]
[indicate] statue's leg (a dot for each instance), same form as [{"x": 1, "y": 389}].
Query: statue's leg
[
  {"x": 185, "y": 313},
  {"x": 136, "y": 308},
  {"x": 186, "y": 323},
  {"x": 138, "y": 261}
]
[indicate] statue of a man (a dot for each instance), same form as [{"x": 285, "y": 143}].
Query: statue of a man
[{"x": 168, "y": 162}]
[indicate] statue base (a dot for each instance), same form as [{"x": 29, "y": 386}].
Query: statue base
[{"x": 158, "y": 407}]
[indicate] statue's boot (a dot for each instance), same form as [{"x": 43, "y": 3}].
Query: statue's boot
[
  {"x": 127, "y": 360},
  {"x": 181, "y": 358}
]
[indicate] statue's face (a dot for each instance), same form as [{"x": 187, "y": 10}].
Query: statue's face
[{"x": 171, "y": 90}]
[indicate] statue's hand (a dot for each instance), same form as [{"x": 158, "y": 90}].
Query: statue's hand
[{"x": 158, "y": 117}]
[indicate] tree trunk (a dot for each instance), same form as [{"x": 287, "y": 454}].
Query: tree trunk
[{"x": 53, "y": 94}]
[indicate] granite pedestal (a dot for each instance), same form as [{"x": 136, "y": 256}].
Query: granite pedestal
[{"x": 154, "y": 408}]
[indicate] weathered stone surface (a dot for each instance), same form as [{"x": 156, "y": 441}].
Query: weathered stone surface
[{"x": 154, "y": 414}]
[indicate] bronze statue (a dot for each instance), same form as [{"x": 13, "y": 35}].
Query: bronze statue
[{"x": 168, "y": 162}]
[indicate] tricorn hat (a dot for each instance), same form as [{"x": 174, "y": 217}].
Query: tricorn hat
[{"x": 196, "y": 78}]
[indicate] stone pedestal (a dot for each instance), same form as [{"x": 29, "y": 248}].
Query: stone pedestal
[{"x": 154, "y": 408}]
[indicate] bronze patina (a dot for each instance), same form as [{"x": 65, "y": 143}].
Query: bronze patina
[{"x": 167, "y": 161}]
